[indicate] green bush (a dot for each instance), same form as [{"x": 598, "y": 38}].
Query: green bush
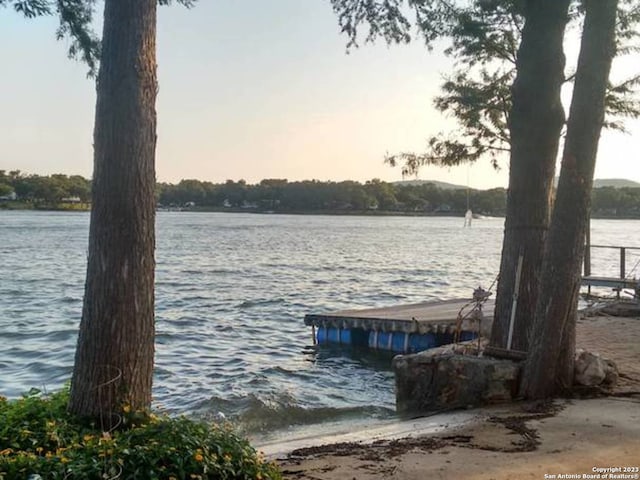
[{"x": 39, "y": 439}]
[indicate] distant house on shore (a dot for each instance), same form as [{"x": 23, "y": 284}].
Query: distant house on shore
[
  {"x": 70, "y": 200},
  {"x": 443, "y": 208},
  {"x": 9, "y": 197}
]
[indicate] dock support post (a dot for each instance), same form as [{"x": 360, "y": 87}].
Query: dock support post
[
  {"x": 313, "y": 335},
  {"x": 623, "y": 269},
  {"x": 587, "y": 255}
]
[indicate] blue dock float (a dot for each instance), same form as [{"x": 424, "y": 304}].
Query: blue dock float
[{"x": 403, "y": 329}]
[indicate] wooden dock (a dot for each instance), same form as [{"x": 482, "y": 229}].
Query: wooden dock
[{"x": 420, "y": 318}]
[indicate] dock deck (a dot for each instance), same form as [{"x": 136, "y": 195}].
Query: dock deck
[
  {"x": 612, "y": 282},
  {"x": 420, "y": 318}
]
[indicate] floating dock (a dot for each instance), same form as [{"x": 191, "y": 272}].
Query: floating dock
[{"x": 404, "y": 328}]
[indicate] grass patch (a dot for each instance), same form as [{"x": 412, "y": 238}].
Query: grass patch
[{"x": 40, "y": 440}]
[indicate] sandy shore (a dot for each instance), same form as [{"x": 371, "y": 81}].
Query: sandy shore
[{"x": 522, "y": 441}]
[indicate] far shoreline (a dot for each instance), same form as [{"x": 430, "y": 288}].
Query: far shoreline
[{"x": 83, "y": 208}]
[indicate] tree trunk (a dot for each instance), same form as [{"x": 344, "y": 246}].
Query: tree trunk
[
  {"x": 114, "y": 356},
  {"x": 549, "y": 365},
  {"x": 535, "y": 123}
]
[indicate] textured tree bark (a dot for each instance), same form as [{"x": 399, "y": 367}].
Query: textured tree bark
[
  {"x": 549, "y": 366},
  {"x": 115, "y": 351},
  {"x": 535, "y": 123}
]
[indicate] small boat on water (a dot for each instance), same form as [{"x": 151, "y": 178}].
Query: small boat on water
[{"x": 468, "y": 217}]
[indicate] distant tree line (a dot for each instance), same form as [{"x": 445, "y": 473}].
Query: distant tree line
[
  {"x": 616, "y": 202},
  {"x": 280, "y": 195},
  {"x": 313, "y": 195},
  {"x": 44, "y": 190}
]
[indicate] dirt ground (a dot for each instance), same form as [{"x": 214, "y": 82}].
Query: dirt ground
[{"x": 562, "y": 439}]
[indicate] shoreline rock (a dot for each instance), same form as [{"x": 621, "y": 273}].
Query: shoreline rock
[
  {"x": 433, "y": 380},
  {"x": 455, "y": 376}
]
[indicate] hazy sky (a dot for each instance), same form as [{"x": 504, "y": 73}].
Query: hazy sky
[{"x": 249, "y": 89}]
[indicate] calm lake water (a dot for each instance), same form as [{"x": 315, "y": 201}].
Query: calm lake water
[{"x": 232, "y": 291}]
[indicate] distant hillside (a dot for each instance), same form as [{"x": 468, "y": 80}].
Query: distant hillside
[
  {"x": 614, "y": 182},
  {"x": 609, "y": 182},
  {"x": 442, "y": 185}
]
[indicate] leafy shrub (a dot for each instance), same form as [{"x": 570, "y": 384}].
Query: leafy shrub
[{"x": 39, "y": 439}]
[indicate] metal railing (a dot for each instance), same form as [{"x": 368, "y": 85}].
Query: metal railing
[
  {"x": 622, "y": 258},
  {"x": 624, "y": 280}
]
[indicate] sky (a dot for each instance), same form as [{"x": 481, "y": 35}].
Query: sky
[{"x": 249, "y": 90}]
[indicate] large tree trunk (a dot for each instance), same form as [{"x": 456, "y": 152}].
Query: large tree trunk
[
  {"x": 535, "y": 123},
  {"x": 114, "y": 356},
  {"x": 549, "y": 366}
]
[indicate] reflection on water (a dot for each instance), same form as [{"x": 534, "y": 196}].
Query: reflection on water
[{"x": 232, "y": 290}]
